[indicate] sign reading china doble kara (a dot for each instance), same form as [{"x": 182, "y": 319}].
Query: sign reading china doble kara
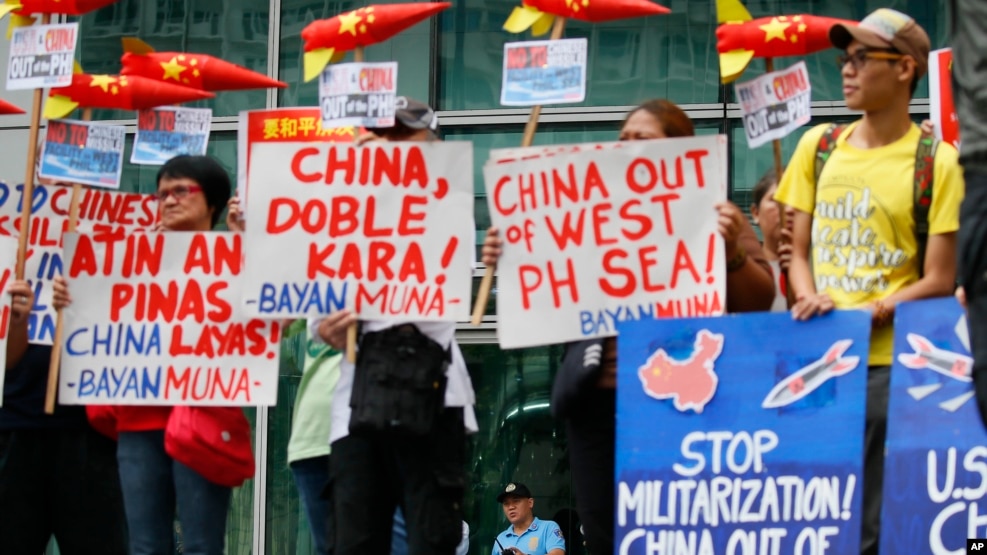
[
  {"x": 100, "y": 211},
  {"x": 604, "y": 234},
  {"x": 775, "y": 104},
  {"x": 935, "y": 469},
  {"x": 384, "y": 229},
  {"x": 155, "y": 320},
  {"x": 759, "y": 446}
]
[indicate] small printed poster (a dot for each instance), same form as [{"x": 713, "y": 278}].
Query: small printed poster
[
  {"x": 775, "y": 104},
  {"x": 358, "y": 94},
  {"x": 544, "y": 72},
  {"x": 83, "y": 152},
  {"x": 169, "y": 131},
  {"x": 42, "y": 56}
]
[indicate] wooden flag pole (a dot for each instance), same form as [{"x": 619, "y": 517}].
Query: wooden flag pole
[
  {"x": 769, "y": 65},
  {"x": 358, "y": 56},
  {"x": 56, "y": 349},
  {"x": 28, "y": 195},
  {"x": 483, "y": 294}
]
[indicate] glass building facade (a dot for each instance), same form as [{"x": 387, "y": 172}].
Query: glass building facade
[{"x": 454, "y": 61}]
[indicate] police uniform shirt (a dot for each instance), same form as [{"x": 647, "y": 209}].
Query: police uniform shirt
[{"x": 540, "y": 538}]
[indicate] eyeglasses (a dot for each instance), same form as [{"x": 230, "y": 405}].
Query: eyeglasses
[
  {"x": 860, "y": 57},
  {"x": 178, "y": 192}
]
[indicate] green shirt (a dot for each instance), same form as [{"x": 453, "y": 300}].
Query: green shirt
[{"x": 312, "y": 418}]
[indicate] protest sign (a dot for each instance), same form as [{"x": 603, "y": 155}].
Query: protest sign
[
  {"x": 941, "y": 106},
  {"x": 8, "y": 258},
  {"x": 358, "y": 94},
  {"x": 99, "y": 211},
  {"x": 544, "y": 72},
  {"x": 42, "y": 56},
  {"x": 83, "y": 152},
  {"x": 385, "y": 229},
  {"x": 607, "y": 233},
  {"x": 935, "y": 475},
  {"x": 168, "y": 131},
  {"x": 155, "y": 320},
  {"x": 281, "y": 125},
  {"x": 732, "y": 442},
  {"x": 775, "y": 104}
]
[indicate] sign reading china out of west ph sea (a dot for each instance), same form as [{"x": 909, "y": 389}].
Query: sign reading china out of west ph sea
[
  {"x": 83, "y": 152},
  {"x": 169, "y": 131},
  {"x": 358, "y": 94},
  {"x": 732, "y": 441},
  {"x": 935, "y": 477},
  {"x": 385, "y": 229},
  {"x": 775, "y": 104},
  {"x": 600, "y": 233},
  {"x": 544, "y": 72},
  {"x": 156, "y": 320},
  {"x": 42, "y": 56}
]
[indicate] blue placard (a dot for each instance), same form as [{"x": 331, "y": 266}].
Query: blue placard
[
  {"x": 166, "y": 132},
  {"x": 83, "y": 152},
  {"x": 544, "y": 72},
  {"x": 935, "y": 476},
  {"x": 740, "y": 434}
]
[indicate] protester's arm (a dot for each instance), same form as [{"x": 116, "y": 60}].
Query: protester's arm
[
  {"x": 808, "y": 303},
  {"x": 22, "y": 299},
  {"x": 938, "y": 279},
  {"x": 493, "y": 246},
  {"x": 750, "y": 286}
]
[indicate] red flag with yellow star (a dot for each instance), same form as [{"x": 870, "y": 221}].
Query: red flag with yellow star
[
  {"x": 199, "y": 71},
  {"x": 538, "y": 15},
  {"x": 6, "y": 108},
  {"x": 68, "y": 7},
  {"x": 327, "y": 39},
  {"x": 741, "y": 38},
  {"x": 116, "y": 92}
]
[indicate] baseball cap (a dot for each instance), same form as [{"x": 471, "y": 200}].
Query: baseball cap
[
  {"x": 413, "y": 114},
  {"x": 887, "y": 28},
  {"x": 513, "y": 489}
]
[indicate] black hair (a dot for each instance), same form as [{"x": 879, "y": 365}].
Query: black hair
[
  {"x": 768, "y": 180},
  {"x": 205, "y": 171}
]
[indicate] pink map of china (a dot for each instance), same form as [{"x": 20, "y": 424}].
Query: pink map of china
[{"x": 690, "y": 383}]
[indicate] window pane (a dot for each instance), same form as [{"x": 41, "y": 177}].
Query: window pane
[
  {"x": 233, "y": 31},
  {"x": 410, "y": 48},
  {"x": 630, "y": 60},
  {"x": 518, "y": 441}
]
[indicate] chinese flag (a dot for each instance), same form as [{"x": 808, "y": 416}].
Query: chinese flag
[
  {"x": 6, "y": 108},
  {"x": 538, "y": 15},
  {"x": 199, "y": 71},
  {"x": 327, "y": 39},
  {"x": 124, "y": 92},
  {"x": 68, "y": 7}
]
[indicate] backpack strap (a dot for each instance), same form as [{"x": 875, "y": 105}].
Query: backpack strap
[
  {"x": 925, "y": 157},
  {"x": 826, "y": 146}
]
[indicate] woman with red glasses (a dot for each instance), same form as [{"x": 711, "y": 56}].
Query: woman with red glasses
[{"x": 192, "y": 191}]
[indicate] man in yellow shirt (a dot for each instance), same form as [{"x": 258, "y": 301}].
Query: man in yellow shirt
[{"x": 855, "y": 244}]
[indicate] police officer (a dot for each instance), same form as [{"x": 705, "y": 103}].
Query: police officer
[{"x": 527, "y": 535}]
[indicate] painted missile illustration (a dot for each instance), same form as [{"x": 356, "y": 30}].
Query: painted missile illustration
[{"x": 808, "y": 378}]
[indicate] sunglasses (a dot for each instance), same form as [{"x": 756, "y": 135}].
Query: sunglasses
[{"x": 860, "y": 57}]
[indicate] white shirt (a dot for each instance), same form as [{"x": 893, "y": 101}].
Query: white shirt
[{"x": 459, "y": 388}]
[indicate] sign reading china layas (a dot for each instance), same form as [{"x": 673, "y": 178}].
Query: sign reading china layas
[
  {"x": 935, "y": 469},
  {"x": 599, "y": 234},
  {"x": 384, "y": 229},
  {"x": 155, "y": 320},
  {"x": 759, "y": 447},
  {"x": 100, "y": 211}
]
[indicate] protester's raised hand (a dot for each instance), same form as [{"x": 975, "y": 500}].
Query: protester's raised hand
[
  {"x": 60, "y": 297},
  {"x": 808, "y": 306},
  {"x": 332, "y": 328},
  {"x": 234, "y": 215},
  {"x": 22, "y": 300},
  {"x": 729, "y": 223},
  {"x": 492, "y": 247},
  {"x": 785, "y": 249},
  {"x": 927, "y": 126}
]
